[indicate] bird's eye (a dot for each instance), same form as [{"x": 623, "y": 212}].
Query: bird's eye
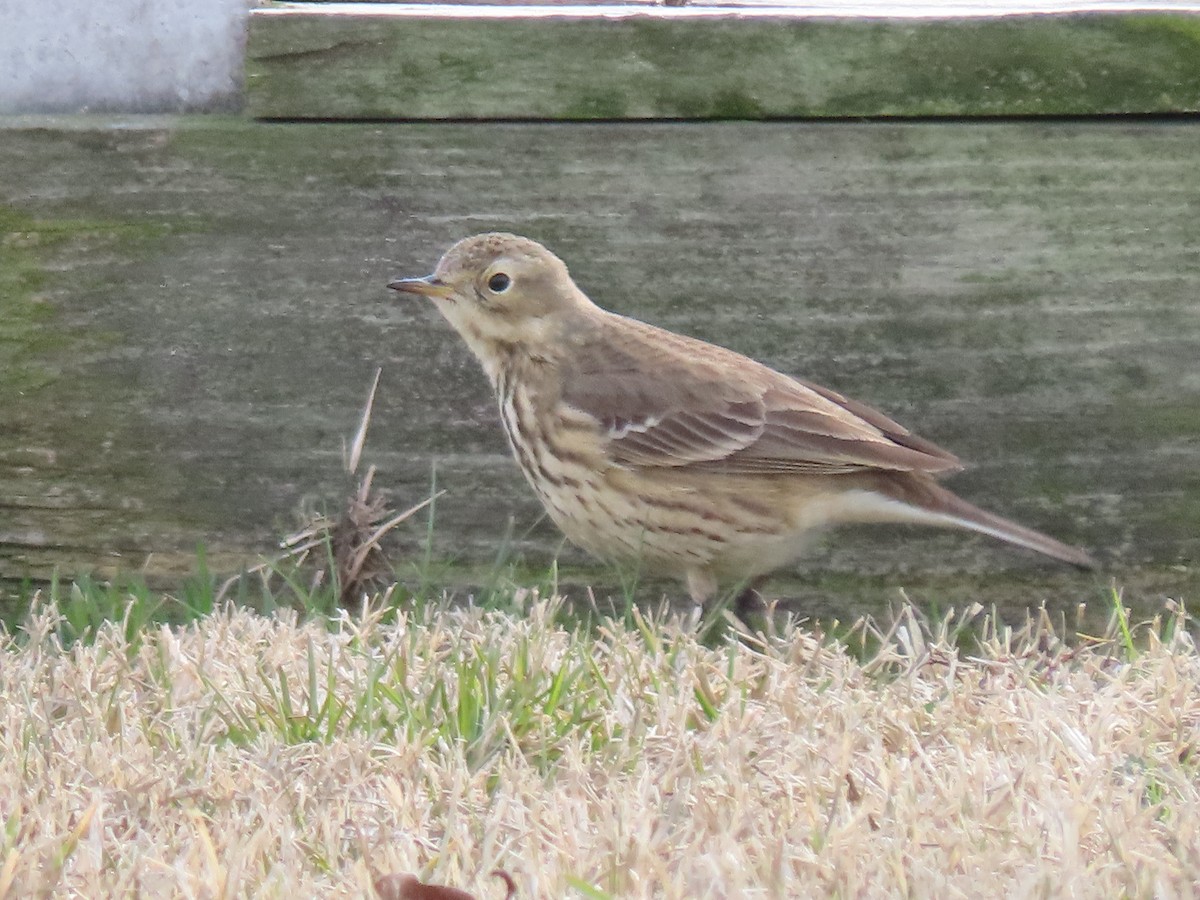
[{"x": 499, "y": 283}]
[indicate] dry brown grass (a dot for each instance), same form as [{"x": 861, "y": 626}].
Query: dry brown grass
[
  {"x": 251, "y": 756},
  {"x": 346, "y": 550}
]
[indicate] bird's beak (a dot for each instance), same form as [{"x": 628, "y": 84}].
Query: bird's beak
[{"x": 429, "y": 286}]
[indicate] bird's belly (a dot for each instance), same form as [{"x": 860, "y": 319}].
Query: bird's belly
[
  {"x": 668, "y": 524},
  {"x": 672, "y": 521}
]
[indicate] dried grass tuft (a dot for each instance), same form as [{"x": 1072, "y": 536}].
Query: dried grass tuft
[{"x": 346, "y": 551}]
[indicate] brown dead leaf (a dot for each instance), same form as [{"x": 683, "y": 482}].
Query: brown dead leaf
[
  {"x": 509, "y": 884},
  {"x": 403, "y": 886}
]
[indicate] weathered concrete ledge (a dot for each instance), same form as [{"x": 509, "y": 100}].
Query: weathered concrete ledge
[
  {"x": 423, "y": 61},
  {"x": 192, "y": 310}
]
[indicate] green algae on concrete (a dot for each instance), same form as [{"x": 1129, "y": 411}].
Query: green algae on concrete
[
  {"x": 21, "y": 307},
  {"x": 744, "y": 64},
  {"x": 62, "y": 502},
  {"x": 27, "y": 333}
]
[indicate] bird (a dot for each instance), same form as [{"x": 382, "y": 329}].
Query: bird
[{"x": 687, "y": 459}]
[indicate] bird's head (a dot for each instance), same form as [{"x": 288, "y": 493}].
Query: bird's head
[{"x": 501, "y": 290}]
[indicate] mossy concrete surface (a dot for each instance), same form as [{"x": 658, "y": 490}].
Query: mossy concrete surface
[
  {"x": 194, "y": 310},
  {"x": 740, "y": 64}
]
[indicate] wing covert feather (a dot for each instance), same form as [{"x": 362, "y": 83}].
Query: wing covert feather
[{"x": 664, "y": 400}]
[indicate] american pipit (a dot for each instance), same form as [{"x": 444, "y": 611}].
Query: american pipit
[{"x": 690, "y": 459}]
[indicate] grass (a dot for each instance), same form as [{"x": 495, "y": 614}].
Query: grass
[{"x": 313, "y": 753}]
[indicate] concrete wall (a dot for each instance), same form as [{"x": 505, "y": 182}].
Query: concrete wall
[{"x": 121, "y": 55}]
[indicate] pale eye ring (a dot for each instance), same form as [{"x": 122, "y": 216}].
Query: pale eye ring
[{"x": 499, "y": 283}]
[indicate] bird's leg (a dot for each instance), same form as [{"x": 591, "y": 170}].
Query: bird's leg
[
  {"x": 749, "y": 601},
  {"x": 702, "y": 585}
]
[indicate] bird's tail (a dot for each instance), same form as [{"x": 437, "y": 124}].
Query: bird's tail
[{"x": 932, "y": 504}]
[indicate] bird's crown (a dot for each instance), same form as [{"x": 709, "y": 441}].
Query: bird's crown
[
  {"x": 473, "y": 256},
  {"x": 475, "y": 253}
]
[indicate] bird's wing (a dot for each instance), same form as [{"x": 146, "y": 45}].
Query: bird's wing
[{"x": 664, "y": 400}]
